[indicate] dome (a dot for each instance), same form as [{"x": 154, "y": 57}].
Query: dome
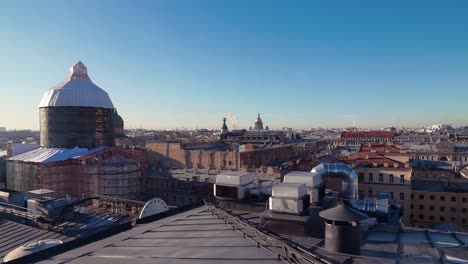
[
  {"x": 259, "y": 119},
  {"x": 77, "y": 90},
  {"x": 258, "y": 123}
]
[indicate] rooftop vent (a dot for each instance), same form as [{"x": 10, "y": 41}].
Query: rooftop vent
[
  {"x": 289, "y": 198},
  {"x": 31, "y": 248},
  {"x": 342, "y": 229},
  {"x": 234, "y": 186}
]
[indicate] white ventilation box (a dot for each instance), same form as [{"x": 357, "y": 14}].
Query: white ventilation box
[
  {"x": 234, "y": 179},
  {"x": 308, "y": 178},
  {"x": 288, "y": 197},
  {"x": 289, "y": 190},
  {"x": 235, "y": 185},
  {"x": 313, "y": 181},
  {"x": 287, "y": 206}
]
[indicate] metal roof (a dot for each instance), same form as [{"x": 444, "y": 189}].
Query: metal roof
[
  {"x": 77, "y": 90},
  {"x": 382, "y": 245},
  {"x": 47, "y": 155},
  {"x": 87, "y": 222},
  {"x": 195, "y": 236},
  {"x": 343, "y": 213}
]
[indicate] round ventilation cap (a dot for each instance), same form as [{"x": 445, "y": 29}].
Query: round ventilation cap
[{"x": 30, "y": 248}]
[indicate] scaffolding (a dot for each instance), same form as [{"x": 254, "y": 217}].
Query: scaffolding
[{"x": 112, "y": 171}]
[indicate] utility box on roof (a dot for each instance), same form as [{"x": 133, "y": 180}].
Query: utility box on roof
[
  {"x": 234, "y": 179},
  {"x": 233, "y": 186},
  {"x": 313, "y": 181},
  {"x": 308, "y": 178},
  {"x": 289, "y": 198},
  {"x": 289, "y": 190}
]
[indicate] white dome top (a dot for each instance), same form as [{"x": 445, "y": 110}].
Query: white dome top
[{"x": 77, "y": 90}]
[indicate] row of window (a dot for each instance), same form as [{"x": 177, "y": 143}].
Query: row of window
[
  {"x": 441, "y": 158},
  {"x": 391, "y": 177},
  {"x": 441, "y": 218},
  {"x": 371, "y": 194},
  {"x": 441, "y": 208},
  {"x": 441, "y": 198}
]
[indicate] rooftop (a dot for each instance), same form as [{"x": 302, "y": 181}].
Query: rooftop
[
  {"x": 47, "y": 155},
  {"x": 88, "y": 222},
  {"x": 381, "y": 244},
  {"x": 196, "y": 236},
  {"x": 367, "y": 134}
]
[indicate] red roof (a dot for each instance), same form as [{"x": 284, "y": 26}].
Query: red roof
[
  {"x": 371, "y": 159},
  {"x": 368, "y": 134},
  {"x": 380, "y": 148}
]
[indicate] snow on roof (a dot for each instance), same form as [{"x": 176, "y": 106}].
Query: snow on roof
[
  {"x": 47, "y": 155},
  {"x": 77, "y": 90}
]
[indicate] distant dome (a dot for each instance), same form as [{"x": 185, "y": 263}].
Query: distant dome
[
  {"x": 258, "y": 123},
  {"x": 77, "y": 90}
]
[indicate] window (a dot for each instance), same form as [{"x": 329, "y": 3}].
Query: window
[
  {"x": 464, "y": 199},
  {"x": 361, "y": 176},
  {"x": 402, "y": 178},
  {"x": 432, "y": 197},
  {"x": 391, "y": 195},
  {"x": 371, "y": 177},
  {"x": 452, "y": 219},
  {"x": 431, "y": 217},
  {"x": 431, "y": 207},
  {"x": 380, "y": 177},
  {"x": 361, "y": 194},
  {"x": 421, "y": 206},
  {"x": 464, "y": 210},
  {"x": 421, "y": 197},
  {"x": 412, "y": 196},
  {"x": 390, "y": 177},
  {"x": 442, "y": 208},
  {"x": 463, "y": 220},
  {"x": 442, "y": 219},
  {"x": 453, "y": 199},
  {"x": 402, "y": 196},
  {"x": 453, "y": 209},
  {"x": 412, "y": 206},
  {"x": 421, "y": 217},
  {"x": 369, "y": 194},
  {"x": 442, "y": 198}
]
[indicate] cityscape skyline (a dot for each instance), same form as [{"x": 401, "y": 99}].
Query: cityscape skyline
[{"x": 171, "y": 64}]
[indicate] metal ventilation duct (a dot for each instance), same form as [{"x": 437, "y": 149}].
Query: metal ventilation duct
[{"x": 343, "y": 171}]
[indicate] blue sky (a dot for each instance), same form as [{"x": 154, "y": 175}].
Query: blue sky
[{"x": 301, "y": 64}]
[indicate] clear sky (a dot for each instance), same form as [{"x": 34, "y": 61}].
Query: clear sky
[{"x": 301, "y": 64}]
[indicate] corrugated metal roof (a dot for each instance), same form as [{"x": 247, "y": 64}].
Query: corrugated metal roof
[
  {"x": 88, "y": 222},
  {"x": 46, "y": 155},
  {"x": 196, "y": 236},
  {"x": 77, "y": 90}
]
